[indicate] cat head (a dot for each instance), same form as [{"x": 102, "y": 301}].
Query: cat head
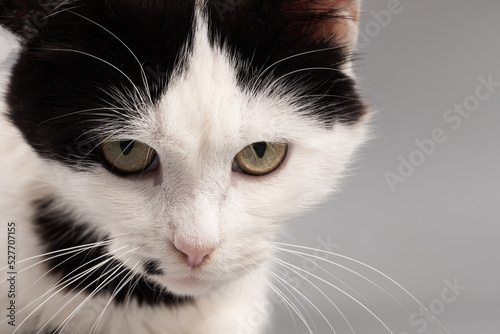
[{"x": 183, "y": 132}]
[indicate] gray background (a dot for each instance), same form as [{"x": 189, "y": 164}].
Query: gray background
[{"x": 442, "y": 223}]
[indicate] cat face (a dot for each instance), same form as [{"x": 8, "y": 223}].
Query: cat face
[{"x": 182, "y": 135}]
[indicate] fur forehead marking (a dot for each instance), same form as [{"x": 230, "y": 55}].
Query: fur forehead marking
[
  {"x": 202, "y": 103},
  {"x": 204, "y": 108}
]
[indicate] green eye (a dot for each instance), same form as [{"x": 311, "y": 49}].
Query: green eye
[
  {"x": 261, "y": 158},
  {"x": 128, "y": 156}
]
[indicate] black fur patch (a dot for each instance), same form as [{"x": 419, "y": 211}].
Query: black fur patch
[
  {"x": 58, "y": 232},
  {"x": 262, "y": 33},
  {"x": 152, "y": 267},
  {"x": 74, "y": 63}
]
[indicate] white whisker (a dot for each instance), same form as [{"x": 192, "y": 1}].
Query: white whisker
[
  {"x": 336, "y": 278},
  {"x": 76, "y": 269},
  {"x": 289, "y": 266},
  {"x": 272, "y": 85},
  {"x": 347, "y": 269},
  {"x": 373, "y": 269},
  {"x": 64, "y": 251},
  {"x": 62, "y": 284},
  {"x": 110, "y": 277},
  {"x": 128, "y": 296},
  {"x": 66, "y": 284},
  {"x": 139, "y": 94},
  {"x": 118, "y": 288},
  {"x": 286, "y": 300},
  {"x": 284, "y": 283},
  {"x": 101, "y": 285},
  {"x": 143, "y": 73},
  {"x": 346, "y": 294},
  {"x": 291, "y": 57}
]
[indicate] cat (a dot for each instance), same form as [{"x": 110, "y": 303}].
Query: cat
[{"x": 151, "y": 151}]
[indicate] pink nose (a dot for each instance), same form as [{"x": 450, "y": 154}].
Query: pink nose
[{"x": 194, "y": 257}]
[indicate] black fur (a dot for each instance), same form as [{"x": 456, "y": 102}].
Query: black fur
[
  {"x": 264, "y": 32},
  {"x": 58, "y": 74},
  {"x": 58, "y": 231},
  {"x": 51, "y": 87},
  {"x": 152, "y": 267}
]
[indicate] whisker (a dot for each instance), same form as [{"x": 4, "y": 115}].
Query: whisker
[
  {"x": 272, "y": 85},
  {"x": 66, "y": 251},
  {"x": 143, "y": 73},
  {"x": 96, "y": 137},
  {"x": 286, "y": 266},
  {"x": 62, "y": 282},
  {"x": 286, "y": 300},
  {"x": 297, "y": 253},
  {"x": 283, "y": 283},
  {"x": 289, "y": 266},
  {"x": 128, "y": 296},
  {"x": 293, "y": 56},
  {"x": 55, "y": 293},
  {"x": 53, "y": 13},
  {"x": 123, "y": 97},
  {"x": 55, "y": 267},
  {"x": 109, "y": 277},
  {"x": 78, "y": 268},
  {"x": 291, "y": 285},
  {"x": 139, "y": 94},
  {"x": 332, "y": 95},
  {"x": 339, "y": 280},
  {"x": 118, "y": 288},
  {"x": 371, "y": 268},
  {"x": 98, "y": 144},
  {"x": 343, "y": 292},
  {"x": 83, "y": 111},
  {"x": 63, "y": 3},
  {"x": 295, "y": 287}
]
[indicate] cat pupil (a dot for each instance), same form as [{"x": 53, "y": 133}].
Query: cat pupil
[
  {"x": 126, "y": 146},
  {"x": 260, "y": 148}
]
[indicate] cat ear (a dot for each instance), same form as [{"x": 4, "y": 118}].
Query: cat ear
[
  {"x": 25, "y": 18},
  {"x": 331, "y": 21}
]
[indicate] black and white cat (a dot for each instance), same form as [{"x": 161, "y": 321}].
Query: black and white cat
[{"x": 150, "y": 150}]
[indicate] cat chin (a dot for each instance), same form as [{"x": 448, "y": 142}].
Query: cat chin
[{"x": 190, "y": 286}]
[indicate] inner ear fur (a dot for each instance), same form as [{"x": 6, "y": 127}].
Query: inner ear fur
[{"x": 332, "y": 21}]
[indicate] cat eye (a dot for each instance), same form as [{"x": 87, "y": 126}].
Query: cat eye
[
  {"x": 261, "y": 158},
  {"x": 128, "y": 156}
]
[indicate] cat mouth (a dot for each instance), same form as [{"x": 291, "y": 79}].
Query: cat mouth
[
  {"x": 190, "y": 281},
  {"x": 190, "y": 285}
]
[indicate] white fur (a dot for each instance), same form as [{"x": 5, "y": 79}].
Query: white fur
[{"x": 202, "y": 122}]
